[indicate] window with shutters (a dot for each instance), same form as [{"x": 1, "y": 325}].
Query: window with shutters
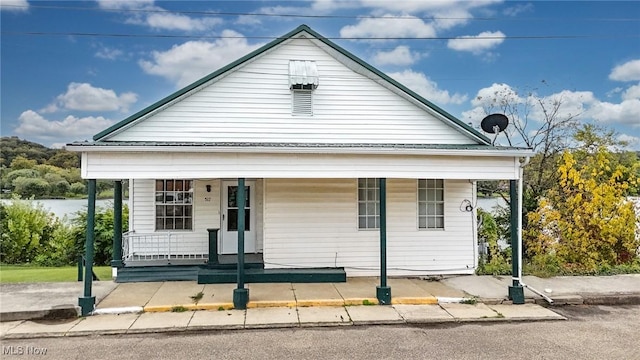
[{"x": 303, "y": 79}]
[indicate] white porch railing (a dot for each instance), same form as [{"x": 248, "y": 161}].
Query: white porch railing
[{"x": 162, "y": 246}]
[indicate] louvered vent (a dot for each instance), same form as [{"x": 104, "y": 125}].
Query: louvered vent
[{"x": 302, "y": 104}]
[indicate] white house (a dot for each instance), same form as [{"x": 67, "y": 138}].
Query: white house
[{"x": 318, "y": 136}]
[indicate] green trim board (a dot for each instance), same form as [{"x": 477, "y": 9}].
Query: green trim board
[{"x": 461, "y": 126}]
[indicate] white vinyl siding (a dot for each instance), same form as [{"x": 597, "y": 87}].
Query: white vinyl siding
[
  {"x": 308, "y": 223},
  {"x": 244, "y": 107}
]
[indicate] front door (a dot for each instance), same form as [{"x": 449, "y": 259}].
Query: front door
[{"x": 229, "y": 211}]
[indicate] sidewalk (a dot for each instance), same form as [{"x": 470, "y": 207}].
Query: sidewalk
[
  {"x": 170, "y": 306},
  {"x": 274, "y": 317}
]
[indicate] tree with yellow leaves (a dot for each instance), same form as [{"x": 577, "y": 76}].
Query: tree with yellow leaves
[{"x": 585, "y": 220}]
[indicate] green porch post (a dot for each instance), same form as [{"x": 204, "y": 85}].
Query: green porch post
[
  {"x": 383, "y": 292},
  {"x": 87, "y": 303},
  {"x": 116, "y": 261},
  {"x": 240, "y": 294},
  {"x": 516, "y": 291}
]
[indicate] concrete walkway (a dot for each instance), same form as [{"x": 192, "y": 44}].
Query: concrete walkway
[{"x": 26, "y": 309}]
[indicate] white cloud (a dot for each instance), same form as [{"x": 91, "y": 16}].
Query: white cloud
[
  {"x": 14, "y": 5},
  {"x": 517, "y": 9},
  {"x": 477, "y": 44},
  {"x": 108, "y": 53},
  {"x": 34, "y": 125},
  {"x": 185, "y": 63},
  {"x": 628, "y": 71},
  {"x": 85, "y": 97},
  {"x": 401, "y": 55},
  {"x": 415, "y": 6},
  {"x": 124, "y": 4},
  {"x": 158, "y": 18},
  {"x": 633, "y": 142},
  {"x": 389, "y": 27},
  {"x": 626, "y": 112},
  {"x": 171, "y": 21},
  {"x": 427, "y": 88},
  {"x": 633, "y": 92}
]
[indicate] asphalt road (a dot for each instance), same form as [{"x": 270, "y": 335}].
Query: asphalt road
[{"x": 592, "y": 332}]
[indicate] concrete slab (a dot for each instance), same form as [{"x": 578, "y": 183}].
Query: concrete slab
[
  {"x": 526, "y": 312},
  {"x": 25, "y": 301},
  {"x": 103, "y": 324},
  {"x": 8, "y": 325},
  {"x": 173, "y": 293},
  {"x": 323, "y": 316},
  {"x": 271, "y": 294},
  {"x": 42, "y": 328},
  {"x": 486, "y": 287},
  {"x": 165, "y": 321},
  {"x": 130, "y": 294},
  {"x": 439, "y": 289},
  {"x": 227, "y": 319},
  {"x": 218, "y": 293},
  {"x": 318, "y": 294},
  {"x": 468, "y": 312},
  {"x": 271, "y": 317},
  {"x": 357, "y": 288},
  {"x": 373, "y": 314},
  {"x": 423, "y": 314},
  {"x": 406, "y": 288}
]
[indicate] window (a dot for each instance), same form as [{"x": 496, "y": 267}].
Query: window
[
  {"x": 303, "y": 79},
  {"x": 368, "y": 204},
  {"x": 431, "y": 204},
  {"x": 174, "y": 204}
]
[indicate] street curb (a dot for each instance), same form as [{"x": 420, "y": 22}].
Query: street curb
[
  {"x": 65, "y": 312},
  {"x": 189, "y": 307},
  {"x": 118, "y": 310},
  {"x": 414, "y": 301}
]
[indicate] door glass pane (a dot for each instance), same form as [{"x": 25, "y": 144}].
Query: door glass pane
[
  {"x": 231, "y": 196},
  {"x": 232, "y": 220}
]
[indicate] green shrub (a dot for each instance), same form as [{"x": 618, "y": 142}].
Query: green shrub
[
  {"x": 26, "y": 229},
  {"x": 78, "y": 188},
  {"x": 30, "y": 187}
]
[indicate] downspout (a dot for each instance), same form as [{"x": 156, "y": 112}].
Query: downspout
[{"x": 520, "y": 248}]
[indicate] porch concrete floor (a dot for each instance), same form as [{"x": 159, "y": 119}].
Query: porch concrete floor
[{"x": 163, "y": 296}]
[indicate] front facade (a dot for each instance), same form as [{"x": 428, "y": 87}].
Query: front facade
[{"x": 311, "y": 130}]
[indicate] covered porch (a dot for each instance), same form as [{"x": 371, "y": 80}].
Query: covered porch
[{"x": 290, "y": 181}]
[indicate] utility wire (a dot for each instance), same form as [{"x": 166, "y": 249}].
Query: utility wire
[
  {"x": 172, "y": 36},
  {"x": 394, "y": 17}
]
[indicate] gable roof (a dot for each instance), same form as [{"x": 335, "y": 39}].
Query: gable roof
[{"x": 453, "y": 121}]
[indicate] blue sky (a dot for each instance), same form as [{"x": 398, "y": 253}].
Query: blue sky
[{"x": 71, "y": 69}]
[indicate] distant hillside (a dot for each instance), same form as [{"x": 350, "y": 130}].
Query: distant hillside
[{"x": 12, "y": 147}]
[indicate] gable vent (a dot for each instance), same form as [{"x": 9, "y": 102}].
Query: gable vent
[{"x": 301, "y": 103}]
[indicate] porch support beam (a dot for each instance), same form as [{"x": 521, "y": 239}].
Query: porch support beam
[
  {"x": 240, "y": 294},
  {"x": 116, "y": 262},
  {"x": 87, "y": 303},
  {"x": 383, "y": 292},
  {"x": 516, "y": 291}
]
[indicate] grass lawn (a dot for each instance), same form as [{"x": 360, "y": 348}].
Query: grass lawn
[{"x": 25, "y": 273}]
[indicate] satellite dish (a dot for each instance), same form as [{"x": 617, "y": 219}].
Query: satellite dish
[{"x": 494, "y": 124}]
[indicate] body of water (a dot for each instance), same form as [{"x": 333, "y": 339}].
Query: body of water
[{"x": 68, "y": 207}]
